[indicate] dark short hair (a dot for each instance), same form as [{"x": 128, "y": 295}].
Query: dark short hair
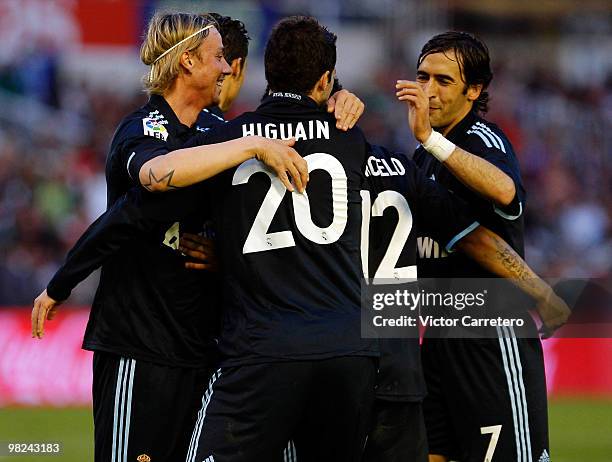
[
  {"x": 472, "y": 56},
  {"x": 298, "y": 52},
  {"x": 235, "y": 38}
]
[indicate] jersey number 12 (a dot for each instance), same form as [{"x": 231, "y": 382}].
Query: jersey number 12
[{"x": 387, "y": 271}]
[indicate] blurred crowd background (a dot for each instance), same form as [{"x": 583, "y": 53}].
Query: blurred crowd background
[{"x": 70, "y": 70}]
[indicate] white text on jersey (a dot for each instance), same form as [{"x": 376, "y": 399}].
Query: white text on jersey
[
  {"x": 313, "y": 129},
  {"x": 428, "y": 248},
  {"x": 380, "y": 167}
]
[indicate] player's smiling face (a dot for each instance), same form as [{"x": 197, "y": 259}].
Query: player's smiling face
[
  {"x": 450, "y": 99},
  {"x": 211, "y": 69}
]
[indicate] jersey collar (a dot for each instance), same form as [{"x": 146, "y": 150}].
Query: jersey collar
[
  {"x": 288, "y": 100},
  {"x": 216, "y": 111},
  {"x": 459, "y": 131}
]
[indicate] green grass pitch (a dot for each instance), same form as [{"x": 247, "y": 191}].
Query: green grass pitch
[{"x": 580, "y": 431}]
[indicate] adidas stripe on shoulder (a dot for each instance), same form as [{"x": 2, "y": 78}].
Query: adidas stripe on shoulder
[{"x": 488, "y": 136}]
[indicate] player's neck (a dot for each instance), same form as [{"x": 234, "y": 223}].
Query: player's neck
[
  {"x": 185, "y": 104},
  {"x": 317, "y": 98},
  {"x": 460, "y": 116}
]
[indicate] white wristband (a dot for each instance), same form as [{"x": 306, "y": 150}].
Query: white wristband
[{"x": 438, "y": 146}]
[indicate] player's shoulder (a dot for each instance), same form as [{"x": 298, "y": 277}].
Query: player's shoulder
[
  {"x": 350, "y": 145},
  {"x": 389, "y": 169},
  {"x": 237, "y": 125},
  {"x": 145, "y": 121},
  {"x": 225, "y": 130},
  {"x": 209, "y": 118},
  {"x": 479, "y": 123},
  {"x": 245, "y": 117},
  {"x": 481, "y": 133},
  {"x": 353, "y": 136}
]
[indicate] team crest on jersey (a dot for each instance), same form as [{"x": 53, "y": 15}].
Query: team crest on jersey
[
  {"x": 143, "y": 458},
  {"x": 171, "y": 238},
  {"x": 154, "y": 126},
  {"x": 544, "y": 457}
]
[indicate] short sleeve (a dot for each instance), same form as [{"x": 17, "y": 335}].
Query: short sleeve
[
  {"x": 496, "y": 149},
  {"x": 212, "y": 135},
  {"x": 141, "y": 141}
]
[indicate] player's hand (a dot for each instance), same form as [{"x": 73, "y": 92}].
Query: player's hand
[
  {"x": 201, "y": 249},
  {"x": 418, "y": 108},
  {"x": 285, "y": 161},
  {"x": 44, "y": 308},
  {"x": 554, "y": 312},
  {"x": 347, "y": 109}
]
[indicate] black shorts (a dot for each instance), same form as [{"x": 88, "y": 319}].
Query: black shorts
[
  {"x": 143, "y": 411},
  {"x": 397, "y": 433},
  {"x": 486, "y": 399},
  {"x": 250, "y": 412}
]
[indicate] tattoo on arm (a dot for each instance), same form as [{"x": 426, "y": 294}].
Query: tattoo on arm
[
  {"x": 520, "y": 272},
  {"x": 509, "y": 260},
  {"x": 496, "y": 255},
  {"x": 166, "y": 180}
]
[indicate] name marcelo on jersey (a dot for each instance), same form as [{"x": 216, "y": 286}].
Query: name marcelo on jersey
[{"x": 376, "y": 166}]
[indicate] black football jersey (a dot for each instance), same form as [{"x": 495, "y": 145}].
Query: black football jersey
[
  {"x": 151, "y": 131},
  {"x": 209, "y": 118},
  {"x": 400, "y": 204},
  {"x": 291, "y": 262},
  {"x": 485, "y": 140},
  {"x": 148, "y": 306}
]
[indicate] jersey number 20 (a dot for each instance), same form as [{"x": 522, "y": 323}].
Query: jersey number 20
[{"x": 260, "y": 240}]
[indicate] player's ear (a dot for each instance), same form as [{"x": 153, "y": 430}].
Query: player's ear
[
  {"x": 473, "y": 92},
  {"x": 236, "y": 67},
  {"x": 323, "y": 81},
  {"x": 186, "y": 61}
]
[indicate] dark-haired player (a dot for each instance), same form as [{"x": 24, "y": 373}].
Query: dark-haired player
[
  {"x": 347, "y": 109},
  {"x": 400, "y": 204},
  {"x": 235, "y": 50},
  {"x": 487, "y": 397},
  {"x": 295, "y": 365}
]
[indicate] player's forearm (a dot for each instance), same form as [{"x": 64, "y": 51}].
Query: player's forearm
[
  {"x": 494, "y": 254},
  {"x": 133, "y": 215},
  {"x": 188, "y": 166},
  {"x": 481, "y": 177},
  {"x": 103, "y": 238}
]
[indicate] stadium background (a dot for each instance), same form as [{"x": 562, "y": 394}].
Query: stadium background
[{"x": 69, "y": 70}]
